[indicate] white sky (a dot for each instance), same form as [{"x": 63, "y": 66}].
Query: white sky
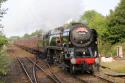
[{"x": 26, "y": 16}]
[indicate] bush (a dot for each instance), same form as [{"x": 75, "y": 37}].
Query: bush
[
  {"x": 3, "y": 40},
  {"x": 4, "y": 62},
  {"x": 105, "y": 48}
]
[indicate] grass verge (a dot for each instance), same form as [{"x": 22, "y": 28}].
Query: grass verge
[
  {"x": 4, "y": 62},
  {"x": 117, "y": 66}
]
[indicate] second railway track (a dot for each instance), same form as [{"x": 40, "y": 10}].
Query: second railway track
[{"x": 92, "y": 79}]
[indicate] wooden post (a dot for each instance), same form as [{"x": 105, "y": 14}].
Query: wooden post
[{"x": 119, "y": 51}]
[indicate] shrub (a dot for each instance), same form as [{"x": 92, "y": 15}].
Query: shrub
[{"x": 4, "y": 62}]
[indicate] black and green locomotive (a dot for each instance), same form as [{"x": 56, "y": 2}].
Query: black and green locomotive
[{"x": 75, "y": 48}]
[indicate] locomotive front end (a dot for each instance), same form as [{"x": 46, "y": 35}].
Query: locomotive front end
[
  {"x": 73, "y": 47},
  {"x": 81, "y": 36},
  {"x": 84, "y": 55}
]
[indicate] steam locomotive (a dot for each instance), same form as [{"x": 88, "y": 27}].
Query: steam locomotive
[{"x": 75, "y": 48}]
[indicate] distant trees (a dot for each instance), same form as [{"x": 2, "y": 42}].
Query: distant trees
[
  {"x": 2, "y": 11},
  {"x": 116, "y": 24},
  {"x": 96, "y": 21},
  {"x": 4, "y": 61},
  {"x": 36, "y": 33},
  {"x": 26, "y": 35},
  {"x": 111, "y": 28},
  {"x": 3, "y": 39},
  {"x": 1, "y": 1}
]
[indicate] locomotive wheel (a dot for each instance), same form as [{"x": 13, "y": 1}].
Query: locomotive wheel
[
  {"x": 72, "y": 69},
  {"x": 49, "y": 58},
  {"x": 44, "y": 54},
  {"x": 66, "y": 69}
]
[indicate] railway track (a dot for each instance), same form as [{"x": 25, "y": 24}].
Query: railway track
[
  {"x": 33, "y": 79},
  {"x": 93, "y": 79},
  {"x": 96, "y": 78},
  {"x": 49, "y": 73},
  {"x": 104, "y": 78},
  {"x": 45, "y": 65}
]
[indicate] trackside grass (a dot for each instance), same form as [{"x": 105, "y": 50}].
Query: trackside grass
[
  {"x": 4, "y": 62},
  {"x": 117, "y": 66}
]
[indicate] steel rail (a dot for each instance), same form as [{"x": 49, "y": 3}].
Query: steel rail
[
  {"x": 22, "y": 65},
  {"x": 49, "y": 75},
  {"x": 99, "y": 77},
  {"x": 81, "y": 80},
  {"x": 34, "y": 74},
  {"x": 55, "y": 76},
  {"x": 109, "y": 81}
]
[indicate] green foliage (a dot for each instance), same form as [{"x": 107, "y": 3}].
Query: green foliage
[
  {"x": 99, "y": 23},
  {"x": 12, "y": 39},
  {"x": 26, "y": 35},
  {"x": 36, "y": 33},
  {"x": 96, "y": 21},
  {"x": 3, "y": 58},
  {"x": 1, "y": 1},
  {"x": 2, "y": 11},
  {"x": 3, "y": 40},
  {"x": 4, "y": 62},
  {"x": 116, "y": 24}
]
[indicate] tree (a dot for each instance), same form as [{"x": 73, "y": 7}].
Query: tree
[
  {"x": 116, "y": 24},
  {"x": 26, "y": 35},
  {"x": 36, "y": 33},
  {"x": 4, "y": 61},
  {"x": 99, "y": 23},
  {"x": 1, "y": 1},
  {"x": 2, "y": 11},
  {"x": 3, "y": 40},
  {"x": 96, "y": 21}
]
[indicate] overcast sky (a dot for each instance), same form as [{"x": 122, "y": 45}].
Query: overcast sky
[{"x": 26, "y": 16}]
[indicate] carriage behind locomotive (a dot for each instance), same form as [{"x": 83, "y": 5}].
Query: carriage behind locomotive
[{"x": 74, "y": 48}]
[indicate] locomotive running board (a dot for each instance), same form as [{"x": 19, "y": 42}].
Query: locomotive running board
[{"x": 55, "y": 47}]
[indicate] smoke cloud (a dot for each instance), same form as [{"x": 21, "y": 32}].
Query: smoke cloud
[{"x": 25, "y": 16}]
